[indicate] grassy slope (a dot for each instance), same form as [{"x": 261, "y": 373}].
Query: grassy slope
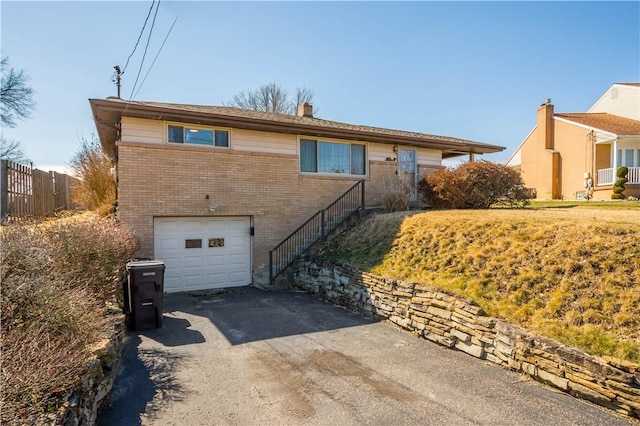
[{"x": 570, "y": 274}]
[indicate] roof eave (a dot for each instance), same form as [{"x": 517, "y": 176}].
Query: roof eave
[{"x": 252, "y": 123}]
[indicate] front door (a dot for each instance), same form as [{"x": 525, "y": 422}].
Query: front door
[{"x": 407, "y": 172}]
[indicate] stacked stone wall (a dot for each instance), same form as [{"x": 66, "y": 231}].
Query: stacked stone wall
[{"x": 459, "y": 323}]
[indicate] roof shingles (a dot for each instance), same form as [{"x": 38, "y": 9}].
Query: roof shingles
[
  {"x": 607, "y": 122},
  {"x": 311, "y": 124}
]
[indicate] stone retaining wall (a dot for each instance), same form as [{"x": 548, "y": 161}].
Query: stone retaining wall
[
  {"x": 80, "y": 405},
  {"x": 459, "y": 323}
]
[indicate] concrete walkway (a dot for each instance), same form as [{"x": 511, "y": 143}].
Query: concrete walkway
[{"x": 249, "y": 357}]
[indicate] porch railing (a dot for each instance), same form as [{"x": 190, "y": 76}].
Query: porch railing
[
  {"x": 608, "y": 176},
  {"x": 315, "y": 229}
]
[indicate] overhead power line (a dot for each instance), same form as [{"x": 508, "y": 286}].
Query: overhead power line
[
  {"x": 156, "y": 57},
  {"x": 139, "y": 36},
  {"x": 145, "y": 49}
]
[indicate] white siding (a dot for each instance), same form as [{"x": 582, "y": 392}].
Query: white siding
[
  {"x": 142, "y": 130},
  {"x": 620, "y": 100},
  {"x": 274, "y": 143},
  {"x": 153, "y": 131},
  {"x": 380, "y": 152},
  {"x": 426, "y": 157},
  {"x": 516, "y": 159},
  {"x": 429, "y": 157}
]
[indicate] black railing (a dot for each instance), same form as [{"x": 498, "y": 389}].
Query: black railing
[{"x": 315, "y": 229}]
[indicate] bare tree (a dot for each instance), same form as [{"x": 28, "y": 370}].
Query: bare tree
[
  {"x": 303, "y": 95},
  {"x": 271, "y": 97},
  {"x": 96, "y": 187},
  {"x": 15, "y": 96},
  {"x": 12, "y": 150}
]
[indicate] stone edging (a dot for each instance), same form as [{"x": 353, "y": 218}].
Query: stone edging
[
  {"x": 459, "y": 323},
  {"x": 80, "y": 405}
]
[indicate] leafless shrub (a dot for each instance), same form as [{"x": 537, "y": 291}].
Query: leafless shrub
[
  {"x": 90, "y": 250},
  {"x": 56, "y": 277},
  {"x": 95, "y": 188},
  {"x": 395, "y": 195}
]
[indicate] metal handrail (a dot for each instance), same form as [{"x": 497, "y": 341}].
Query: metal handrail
[{"x": 315, "y": 229}]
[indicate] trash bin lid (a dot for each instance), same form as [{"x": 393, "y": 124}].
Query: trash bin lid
[{"x": 144, "y": 264}]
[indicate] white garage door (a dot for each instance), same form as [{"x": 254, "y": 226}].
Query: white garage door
[{"x": 202, "y": 253}]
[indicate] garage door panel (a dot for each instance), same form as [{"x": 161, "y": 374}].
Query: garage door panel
[
  {"x": 170, "y": 243},
  {"x": 234, "y": 241},
  {"x": 217, "y": 278},
  {"x": 216, "y": 262},
  {"x": 193, "y": 261},
  {"x": 207, "y": 267},
  {"x": 238, "y": 278},
  {"x": 236, "y": 260},
  {"x": 171, "y": 263}
]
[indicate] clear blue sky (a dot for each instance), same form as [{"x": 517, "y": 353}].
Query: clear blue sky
[{"x": 474, "y": 70}]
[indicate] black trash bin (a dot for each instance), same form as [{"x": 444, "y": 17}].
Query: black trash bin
[{"x": 145, "y": 285}]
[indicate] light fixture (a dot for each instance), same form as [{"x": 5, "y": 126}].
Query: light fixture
[{"x": 212, "y": 207}]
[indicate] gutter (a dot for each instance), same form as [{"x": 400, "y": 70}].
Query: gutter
[{"x": 137, "y": 110}]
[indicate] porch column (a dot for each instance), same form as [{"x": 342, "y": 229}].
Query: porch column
[{"x": 615, "y": 158}]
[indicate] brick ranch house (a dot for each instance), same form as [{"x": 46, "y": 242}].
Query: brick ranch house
[{"x": 211, "y": 190}]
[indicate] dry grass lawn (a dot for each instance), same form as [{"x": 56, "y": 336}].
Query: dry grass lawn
[{"x": 572, "y": 274}]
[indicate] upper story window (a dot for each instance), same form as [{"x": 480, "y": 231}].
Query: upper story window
[
  {"x": 197, "y": 135},
  {"x": 332, "y": 157}
]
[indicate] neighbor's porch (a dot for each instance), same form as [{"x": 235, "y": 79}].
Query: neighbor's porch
[
  {"x": 613, "y": 154},
  {"x": 608, "y": 176}
]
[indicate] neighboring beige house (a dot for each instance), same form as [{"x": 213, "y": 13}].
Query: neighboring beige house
[
  {"x": 565, "y": 149},
  {"x": 211, "y": 190}
]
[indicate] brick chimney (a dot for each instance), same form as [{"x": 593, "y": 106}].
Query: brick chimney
[
  {"x": 305, "y": 110},
  {"x": 545, "y": 123}
]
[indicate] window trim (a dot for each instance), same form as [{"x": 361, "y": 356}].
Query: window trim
[
  {"x": 198, "y": 127},
  {"x": 336, "y": 141}
]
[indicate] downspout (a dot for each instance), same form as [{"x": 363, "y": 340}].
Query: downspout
[{"x": 115, "y": 158}]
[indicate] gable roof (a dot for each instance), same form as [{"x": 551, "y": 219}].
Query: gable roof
[
  {"x": 603, "y": 121},
  {"x": 629, "y": 84},
  {"x": 108, "y": 112}
]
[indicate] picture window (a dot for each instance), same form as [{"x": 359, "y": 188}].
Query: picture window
[{"x": 332, "y": 157}]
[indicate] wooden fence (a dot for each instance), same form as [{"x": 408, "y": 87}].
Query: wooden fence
[{"x": 26, "y": 192}]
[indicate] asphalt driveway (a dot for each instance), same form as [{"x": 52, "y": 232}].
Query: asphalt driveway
[{"x": 249, "y": 357}]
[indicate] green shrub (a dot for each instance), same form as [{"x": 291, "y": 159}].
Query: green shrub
[
  {"x": 474, "y": 185},
  {"x": 56, "y": 277},
  {"x": 618, "y": 186}
]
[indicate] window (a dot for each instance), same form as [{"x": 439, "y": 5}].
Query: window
[
  {"x": 198, "y": 136},
  {"x": 619, "y": 158},
  {"x": 628, "y": 158},
  {"x": 332, "y": 157},
  {"x": 193, "y": 243}
]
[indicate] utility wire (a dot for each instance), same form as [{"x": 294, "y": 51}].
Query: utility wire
[
  {"x": 139, "y": 36},
  {"x": 154, "y": 59},
  {"x": 145, "y": 49}
]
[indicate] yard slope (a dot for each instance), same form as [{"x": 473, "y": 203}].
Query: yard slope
[{"x": 569, "y": 274}]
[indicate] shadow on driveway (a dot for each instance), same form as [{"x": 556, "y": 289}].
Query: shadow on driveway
[
  {"x": 247, "y": 314},
  {"x": 144, "y": 375},
  {"x": 147, "y": 373}
]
